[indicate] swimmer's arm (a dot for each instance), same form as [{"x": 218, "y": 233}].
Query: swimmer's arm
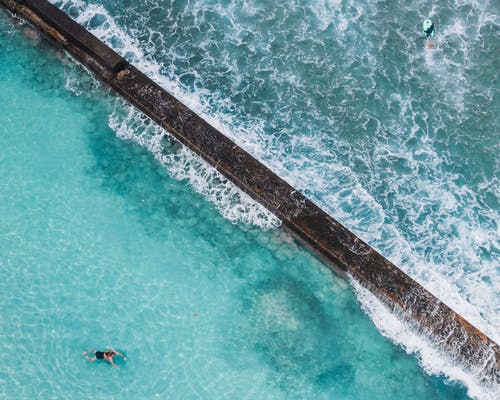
[
  {"x": 119, "y": 354},
  {"x": 114, "y": 365}
]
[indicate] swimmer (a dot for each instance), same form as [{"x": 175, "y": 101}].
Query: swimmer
[
  {"x": 107, "y": 356},
  {"x": 428, "y": 27}
]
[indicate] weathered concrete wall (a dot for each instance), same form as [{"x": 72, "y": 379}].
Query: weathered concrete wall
[{"x": 321, "y": 233}]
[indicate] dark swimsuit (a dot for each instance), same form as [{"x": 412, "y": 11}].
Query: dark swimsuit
[
  {"x": 429, "y": 31},
  {"x": 99, "y": 355}
]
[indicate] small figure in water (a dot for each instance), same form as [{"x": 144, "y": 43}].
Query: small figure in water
[
  {"x": 428, "y": 27},
  {"x": 107, "y": 356}
]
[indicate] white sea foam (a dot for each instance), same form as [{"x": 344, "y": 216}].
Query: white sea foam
[
  {"x": 183, "y": 164},
  {"x": 432, "y": 360},
  {"x": 230, "y": 201}
]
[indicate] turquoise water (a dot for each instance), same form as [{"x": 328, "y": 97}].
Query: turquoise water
[
  {"x": 100, "y": 247},
  {"x": 398, "y": 142}
]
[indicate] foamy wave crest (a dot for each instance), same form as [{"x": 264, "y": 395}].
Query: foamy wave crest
[
  {"x": 76, "y": 82},
  {"x": 96, "y": 19},
  {"x": 431, "y": 359},
  {"x": 183, "y": 164},
  {"x": 232, "y": 203},
  {"x": 457, "y": 225}
]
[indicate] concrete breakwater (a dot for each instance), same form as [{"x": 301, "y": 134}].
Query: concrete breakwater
[{"x": 335, "y": 244}]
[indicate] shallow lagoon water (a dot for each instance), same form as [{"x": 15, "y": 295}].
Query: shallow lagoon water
[{"x": 100, "y": 247}]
